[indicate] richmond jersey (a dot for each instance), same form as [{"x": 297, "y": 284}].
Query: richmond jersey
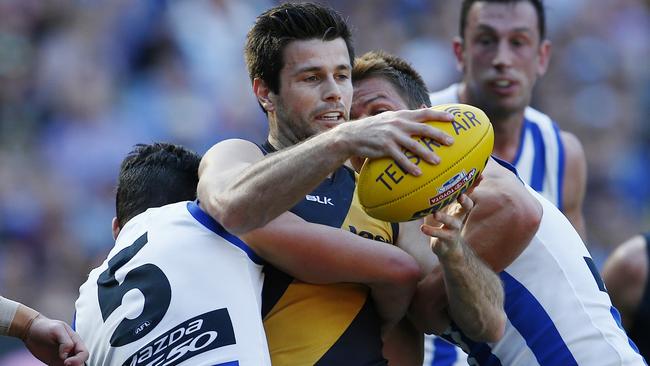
[
  {"x": 558, "y": 310},
  {"x": 540, "y": 156},
  {"x": 176, "y": 289},
  {"x": 325, "y": 324}
]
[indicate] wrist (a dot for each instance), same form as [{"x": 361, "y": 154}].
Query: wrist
[
  {"x": 8, "y": 309},
  {"x": 453, "y": 257},
  {"x": 22, "y": 322}
]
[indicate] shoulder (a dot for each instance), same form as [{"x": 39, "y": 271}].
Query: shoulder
[
  {"x": 573, "y": 149},
  {"x": 626, "y": 270},
  {"x": 628, "y": 262},
  {"x": 233, "y": 150}
]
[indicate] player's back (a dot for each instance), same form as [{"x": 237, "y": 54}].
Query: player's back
[
  {"x": 176, "y": 289},
  {"x": 558, "y": 310}
]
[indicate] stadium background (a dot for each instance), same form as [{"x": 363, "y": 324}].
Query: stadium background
[{"x": 81, "y": 82}]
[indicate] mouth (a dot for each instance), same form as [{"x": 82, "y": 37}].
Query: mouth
[
  {"x": 332, "y": 117},
  {"x": 503, "y": 86}
]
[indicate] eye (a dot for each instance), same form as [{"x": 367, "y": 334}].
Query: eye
[
  {"x": 377, "y": 111},
  {"x": 311, "y": 78},
  {"x": 342, "y": 77},
  {"x": 485, "y": 40}
]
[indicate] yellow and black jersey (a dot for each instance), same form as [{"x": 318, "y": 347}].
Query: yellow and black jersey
[{"x": 337, "y": 324}]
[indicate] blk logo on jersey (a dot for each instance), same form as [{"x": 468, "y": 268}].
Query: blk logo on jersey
[
  {"x": 186, "y": 340},
  {"x": 322, "y": 200}
]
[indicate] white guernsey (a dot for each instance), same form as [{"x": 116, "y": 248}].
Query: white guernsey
[{"x": 176, "y": 289}]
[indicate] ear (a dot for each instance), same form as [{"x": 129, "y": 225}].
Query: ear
[
  {"x": 544, "y": 57},
  {"x": 262, "y": 92},
  {"x": 458, "y": 52},
  {"x": 115, "y": 227}
]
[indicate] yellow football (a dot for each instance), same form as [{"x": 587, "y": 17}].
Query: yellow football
[{"x": 388, "y": 193}]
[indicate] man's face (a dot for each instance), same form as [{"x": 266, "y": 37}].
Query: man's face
[
  {"x": 315, "y": 88},
  {"x": 373, "y": 96},
  {"x": 501, "y": 56}
]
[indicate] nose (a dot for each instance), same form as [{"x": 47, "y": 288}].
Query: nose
[
  {"x": 503, "y": 57},
  {"x": 331, "y": 90}
]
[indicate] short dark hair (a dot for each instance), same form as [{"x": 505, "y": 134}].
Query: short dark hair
[
  {"x": 537, "y": 4},
  {"x": 278, "y": 26},
  {"x": 155, "y": 175},
  {"x": 397, "y": 71}
]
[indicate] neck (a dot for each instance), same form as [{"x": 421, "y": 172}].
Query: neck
[
  {"x": 280, "y": 138},
  {"x": 507, "y": 128}
]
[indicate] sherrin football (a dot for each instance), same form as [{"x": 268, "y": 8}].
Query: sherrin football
[{"x": 388, "y": 193}]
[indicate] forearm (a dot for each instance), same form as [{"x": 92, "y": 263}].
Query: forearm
[
  {"x": 259, "y": 188},
  {"x": 15, "y": 318},
  {"x": 475, "y": 296}
]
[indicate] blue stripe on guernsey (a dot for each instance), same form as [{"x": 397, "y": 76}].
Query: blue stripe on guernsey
[
  {"x": 522, "y": 134},
  {"x": 560, "y": 167},
  {"x": 539, "y": 160},
  {"x": 207, "y": 221},
  {"x": 533, "y": 323},
  {"x": 617, "y": 318},
  {"x": 444, "y": 353},
  {"x": 231, "y": 363},
  {"x": 74, "y": 321},
  {"x": 594, "y": 272}
]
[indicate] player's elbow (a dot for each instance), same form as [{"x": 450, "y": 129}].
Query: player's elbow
[
  {"x": 524, "y": 214},
  {"x": 491, "y": 328},
  {"x": 497, "y": 327},
  {"x": 402, "y": 270}
]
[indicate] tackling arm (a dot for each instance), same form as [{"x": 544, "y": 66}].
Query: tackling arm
[{"x": 321, "y": 254}]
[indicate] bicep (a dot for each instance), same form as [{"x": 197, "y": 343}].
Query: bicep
[{"x": 504, "y": 219}]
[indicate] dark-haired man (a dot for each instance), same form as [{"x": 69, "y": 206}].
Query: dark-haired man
[
  {"x": 558, "y": 310},
  {"x": 502, "y": 50},
  {"x": 299, "y": 58}
]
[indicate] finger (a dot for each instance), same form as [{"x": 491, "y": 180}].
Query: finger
[
  {"x": 428, "y": 114},
  {"x": 440, "y": 233},
  {"x": 451, "y": 222},
  {"x": 423, "y": 129},
  {"x": 418, "y": 149},
  {"x": 63, "y": 339},
  {"x": 404, "y": 162},
  {"x": 466, "y": 203},
  {"x": 80, "y": 354}
]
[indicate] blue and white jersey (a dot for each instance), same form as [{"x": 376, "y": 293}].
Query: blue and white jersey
[
  {"x": 176, "y": 289},
  {"x": 558, "y": 311},
  {"x": 540, "y": 156}
]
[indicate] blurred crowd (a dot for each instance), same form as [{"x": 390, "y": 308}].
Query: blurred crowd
[{"x": 81, "y": 82}]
